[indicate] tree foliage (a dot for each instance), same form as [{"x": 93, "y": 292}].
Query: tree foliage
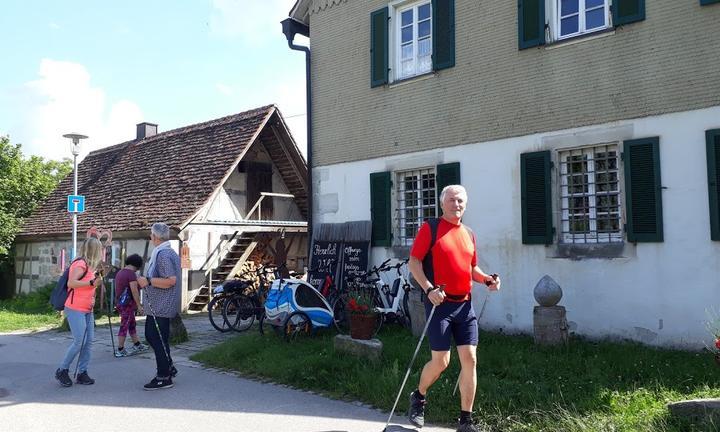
[{"x": 24, "y": 183}]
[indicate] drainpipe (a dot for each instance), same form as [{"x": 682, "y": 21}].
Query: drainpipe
[{"x": 290, "y": 28}]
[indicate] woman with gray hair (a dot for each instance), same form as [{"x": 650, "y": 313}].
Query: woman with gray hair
[{"x": 161, "y": 295}]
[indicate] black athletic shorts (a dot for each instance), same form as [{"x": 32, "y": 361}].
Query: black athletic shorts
[{"x": 454, "y": 320}]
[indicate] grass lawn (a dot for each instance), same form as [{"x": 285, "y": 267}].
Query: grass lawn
[
  {"x": 586, "y": 387},
  {"x": 33, "y": 311}
]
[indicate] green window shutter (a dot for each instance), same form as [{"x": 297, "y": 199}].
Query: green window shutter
[
  {"x": 643, "y": 190},
  {"x": 443, "y": 37},
  {"x": 535, "y": 198},
  {"x": 380, "y": 213},
  {"x": 712, "y": 140},
  {"x": 446, "y": 175},
  {"x": 531, "y": 23},
  {"x": 708, "y": 2},
  {"x": 628, "y": 11},
  {"x": 379, "y": 47}
]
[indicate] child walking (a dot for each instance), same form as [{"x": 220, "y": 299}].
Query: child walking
[{"x": 128, "y": 304}]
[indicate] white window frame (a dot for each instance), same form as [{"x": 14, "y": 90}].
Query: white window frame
[
  {"x": 402, "y": 236},
  {"x": 564, "y": 196},
  {"x": 396, "y": 8},
  {"x": 553, "y": 7}
]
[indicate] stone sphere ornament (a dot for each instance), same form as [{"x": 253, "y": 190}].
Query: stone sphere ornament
[{"x": 547, "y": 292}]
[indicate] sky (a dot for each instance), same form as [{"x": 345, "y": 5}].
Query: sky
[{"x": 98, "y": 68}]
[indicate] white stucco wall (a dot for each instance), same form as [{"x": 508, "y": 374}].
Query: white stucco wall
[{"x": 656, "y": 293}]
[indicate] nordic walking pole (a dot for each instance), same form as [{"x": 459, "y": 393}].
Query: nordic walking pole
[
  {"x": 482, "y": 311},
  {"x": 412, "y": 360},
  {"x": 157, "y": 328},
  {"x": 110, "y": 297},
  {"x": 82, "y": 345}
]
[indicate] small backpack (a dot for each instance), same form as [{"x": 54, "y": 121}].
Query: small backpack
[
  {"x": 60, "y": 293},
  {"x": 125, "y": 298}
]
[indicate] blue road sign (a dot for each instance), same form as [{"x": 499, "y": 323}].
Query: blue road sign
[{"x": 76, "y": 203}]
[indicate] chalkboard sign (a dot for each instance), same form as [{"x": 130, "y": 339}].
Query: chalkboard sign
[
  {"x": 324, "y": 260},
  {"x": 354, "y": 260}
]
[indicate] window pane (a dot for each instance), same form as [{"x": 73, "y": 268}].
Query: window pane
[
  {"x": 407, "y": 34},
  {"x": 595, "y": 18},
  {"x": 424, "y": 12},
  {"x": 407, "y": 51},
  {"x": 569, "y": 25},
  {"x": 423, "y": 29},
  {"x": 424, "y": 64},
  {"x": 407, "y": 18},
  {"x": 568, "y": 7},
  {"x": 424, "y": 47},
  {"x": 408, "y": 67},
  {"x": 594, "y": 3}
]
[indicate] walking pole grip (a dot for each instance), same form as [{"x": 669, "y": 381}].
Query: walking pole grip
[{"x": 412, "y": 360}]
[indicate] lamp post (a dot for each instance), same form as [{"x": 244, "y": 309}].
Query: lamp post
[{"x": 75, "y": 152}]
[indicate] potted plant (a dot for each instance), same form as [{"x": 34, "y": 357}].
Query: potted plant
[{"x": 363, "y": 318}]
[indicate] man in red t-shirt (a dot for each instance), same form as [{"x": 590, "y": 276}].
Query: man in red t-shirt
[{"x": 449, "y": 261}]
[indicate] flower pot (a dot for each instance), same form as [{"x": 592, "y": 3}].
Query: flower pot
[{"x": 362, "y": 326}]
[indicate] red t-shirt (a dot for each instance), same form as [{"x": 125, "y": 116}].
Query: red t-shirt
[{"x": 453, "y": 256}]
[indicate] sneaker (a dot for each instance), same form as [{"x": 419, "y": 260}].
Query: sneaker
[
  {"x": 416, "y": 412},
  {"x": 173, "y": 371},
  {"x": 141, "y": 347},
  {"x": 480, "y": 426},
  {"x": 122, "y": 352},
  {"x": 158, "y": 383},
  {"x": 84, "y": 379},
  {"x": 63, "y": 377}
]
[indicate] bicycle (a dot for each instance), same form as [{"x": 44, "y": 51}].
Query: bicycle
[
  {"x": 241, "y": 309},
  {"x": 393, "y": 296},
  {"x": 215, "y": 307}
]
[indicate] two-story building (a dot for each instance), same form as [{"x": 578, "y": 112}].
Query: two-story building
[{"x": 587, "y": 133}]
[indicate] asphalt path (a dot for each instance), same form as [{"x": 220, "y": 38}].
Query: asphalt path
[{"x": 202, "y": 399}]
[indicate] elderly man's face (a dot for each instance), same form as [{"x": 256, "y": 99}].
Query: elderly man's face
[{"x": 453, "y": 204}]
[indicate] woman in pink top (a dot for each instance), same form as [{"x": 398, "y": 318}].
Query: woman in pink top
[{"x": 82, "y": 281}]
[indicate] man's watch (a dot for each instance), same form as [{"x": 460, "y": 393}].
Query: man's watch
[{"x": 427, "y": 291}]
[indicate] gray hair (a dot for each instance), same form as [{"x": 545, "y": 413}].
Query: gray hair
[
  {"x": 456, "y": 188},
  {"x": 161, "y": 231}
]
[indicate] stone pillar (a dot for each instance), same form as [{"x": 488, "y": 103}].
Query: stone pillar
[{"x": 550, "y": 325}]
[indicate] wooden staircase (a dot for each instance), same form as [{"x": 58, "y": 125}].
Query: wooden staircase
[{"x": 236, "y": 254}]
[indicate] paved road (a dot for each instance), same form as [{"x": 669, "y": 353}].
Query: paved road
[{"x": 202, "y": 399}]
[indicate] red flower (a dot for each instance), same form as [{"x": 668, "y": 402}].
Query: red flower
[{"x": 717, "y": 343}]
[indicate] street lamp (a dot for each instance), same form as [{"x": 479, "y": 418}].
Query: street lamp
[{"x": 75, "y": 152}]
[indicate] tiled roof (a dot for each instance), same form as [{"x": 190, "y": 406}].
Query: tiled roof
[{"x": 167, "y": 177}]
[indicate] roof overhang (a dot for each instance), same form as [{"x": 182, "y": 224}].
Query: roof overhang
[{"x": 301, "y": 11}]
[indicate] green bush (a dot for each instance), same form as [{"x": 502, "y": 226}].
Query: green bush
[{"x": 37, "y": 302}]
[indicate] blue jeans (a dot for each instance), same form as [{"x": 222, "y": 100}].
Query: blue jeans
[{"x": 82, "y": 327}]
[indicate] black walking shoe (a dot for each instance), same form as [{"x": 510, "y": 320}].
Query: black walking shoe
[
  {"x": 416, "y": 412},
  {"x": 158, "y": 383},
  {"x": 63, "y": 377},
  {"x": 84, "y": 379},
  {"x": 173, "y": 371},
  {"x": 470, "y": 427}
]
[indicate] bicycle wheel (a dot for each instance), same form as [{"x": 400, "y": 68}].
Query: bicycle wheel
[
  {"x": 407, "y": 322},
  {"x": 215, "y": 314},
  {"x": 297, "y": 326},
  {"x": 239, "y": 312},
  {"x": 377, "y": 302},
  {"x": 340, "y": 315}
]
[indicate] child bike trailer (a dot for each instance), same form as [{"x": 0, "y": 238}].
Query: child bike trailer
[{"x": 296, "y": 308}]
